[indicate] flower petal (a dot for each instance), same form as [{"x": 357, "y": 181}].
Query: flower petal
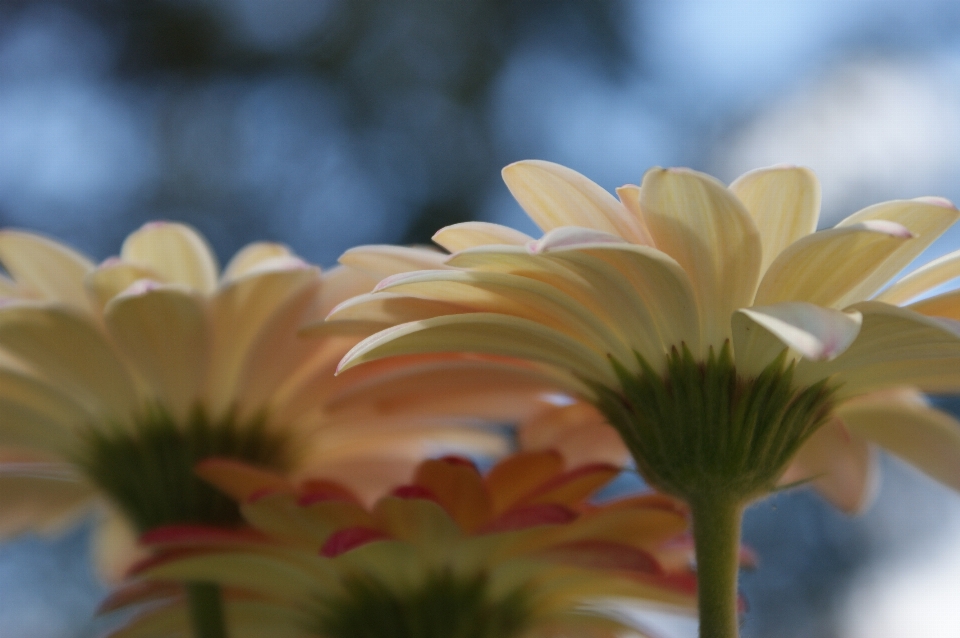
[
  {"x": 176, "y": 251},
  {"x": 38, "y": 415},
  {"x": 379, "y": 262},
  {"x": 458, "y": 237},
  {"x": 113, "y": 276},
  {"x": 704, "y": 227},
  {"x": 819, "y": 334},
  {"x": 45, "y": 266},
  {"x": 72, "y": 354},
  {"x": 554, "y": 196},
  {"x": 41, "y": 497},
  {"x": 252, "y": 255},
  {"x": 519, "y": 474},
  {"x": 895, "y": 347},
  {"x": 927, "y": 218},
  {"x": 839, "y": 464},
  {"x": 828, "y": 268},
  {"x": 572, "y": 237},
  {"x": 784, "y": 201},
  {"x": 485, "y": 333},
  {"x": 939, "y": 271},
  {"x": 459, "y": 489},
  {"x": 905, "y": 425},
  {"x": 239, "y": 312},
  {"x": 513, "y": 295},
  {"x": 163, "y": 331}
]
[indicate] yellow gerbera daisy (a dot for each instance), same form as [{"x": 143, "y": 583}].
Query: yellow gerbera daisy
[
  {"x": 719, "y": 334},
  {"x": 116, "y": 379},
  {"x": 517, "y": 552}
]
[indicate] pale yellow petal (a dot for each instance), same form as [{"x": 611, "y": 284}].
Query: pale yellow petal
[
  {"x": 663, "y": 307},
  {"x": 115, "y": 546},
  {"x": 239, "y": 312},
  {"x": 70, "y": 352},
  {"x": 38, "y": 415},
  {"x": 387, "y": 309},
  {"x": 470, "y": 234},
  {"x": 895, "y": 346},
  {"x": 163, "y": 332},
  {"x": 784, "y": 201},
  {"x": 829, "y": 268},
  {"x": 443, "y": 387},
  {"x": 838, "y": 464},
  {"x": 926, "y": 217},
  {"x": 704, "y": 227},
  {"x": 43, "y": 497},
  {"x": 589, "y": 280},
  {"x": 339, "y": 284},
  {"x": 630, "y": 198},
  {"x": 554, "y": 196},
  {"x": 904, "y": 425},
  {"x": 378, "y": 262},
  {"x": 573, "y": 237},
  {"x": 278, "y": 356},
  {"x": 819, "y": 334},
  {"x": 946, "y": 305},
  {"x": 252, "y": 255},
  {"x": 48, "y": 268},
  {"x": 114, "y": 276},
  {"x": 511, "y": 295},
  {"x": 176, "y": 251},
  {"x": 485, "y": 333},
  {"x": 927, "y": 277}
]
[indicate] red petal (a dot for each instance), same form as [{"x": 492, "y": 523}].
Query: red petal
[
  {"x": 349, "y": 538},
  {"x": 531, "y": 516}
]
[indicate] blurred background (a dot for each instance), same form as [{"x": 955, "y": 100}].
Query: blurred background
[{"x": 328, "y": 123}]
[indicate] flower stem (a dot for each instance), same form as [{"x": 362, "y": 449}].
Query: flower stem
[
  {"x": 206, "y": 610},
  {"x": 716, "y": 532}
]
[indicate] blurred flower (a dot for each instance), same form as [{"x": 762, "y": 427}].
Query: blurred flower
[
  {"x": 116, "y": 379},
  {"x": 518, "y": 552}
]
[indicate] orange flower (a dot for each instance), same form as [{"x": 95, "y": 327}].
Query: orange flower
[{"x": 515, "y": 553}]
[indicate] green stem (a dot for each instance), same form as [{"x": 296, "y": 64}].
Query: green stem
[
  {"x": 716, "y": 532},
  {"x": 206, "y": 610}
]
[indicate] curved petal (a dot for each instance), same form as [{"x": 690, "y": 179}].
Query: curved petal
[
  {"x": 819, "y": 334},
  {"x": 895, "y": 347},
  {"x": 113, "y": 276},
  {"x": 946, "y": 305},
  {"x": 69, "y": 351},
  {"x": 697, "y": 221},
  {"x": 379, "y": 262},
  {"x": 830, "y": 267},
  {"x": 511, "y": 295},
  {"x": 485, "y": 333},
  {"x": 38, "y": 415},
  {"x": 45, "y": 266},
  {"x": 905, "y": 425},
  {"x": 458, "y": 237},
  {"x": 251, "y": 256},
  {"x": 784, "y": 202},
  {"x": 239, "y": 311},
  {"x": 573, "y": 237},
  {"x": 927, "y": 277},
  {"x": 163, "y": 332},
  {"x": 840, "y": 466},
  {"x": 518, "y": 475},
  {"x": 554, "y": 196},
  {"x": 459, "y": 488},
  {"x": 927, "y": 218},
  {"x": 578, "y": 432},
  {"x": 387, "y": 309},
  {"x": 176, "y": 251},
  {"x": 629, "y": 195},
  {"x": 588, "y": 280},
  {"x": 42, "y": 497},
  {"x": 339, "y": 284},
  {"x": 115, "y": 546}
]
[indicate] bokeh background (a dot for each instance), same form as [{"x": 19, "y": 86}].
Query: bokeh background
[{"x": 328, "y": 123}]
